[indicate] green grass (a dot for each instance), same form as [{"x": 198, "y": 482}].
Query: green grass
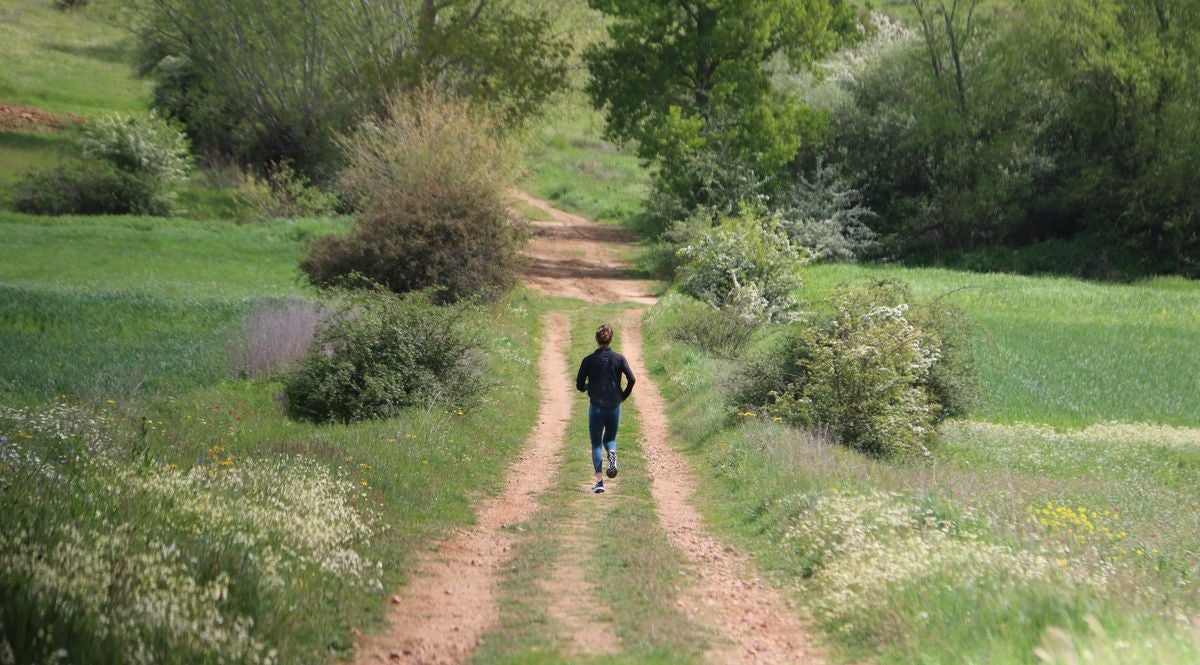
[
  {"x": 129, "y": 317},
  {"x": 113, "y": 306},
  {"x": 166, "y": 257},
  {"x": 1064, "y": 351},
  {"x": 67, "y": 61},
  {"x": 816, "y": 514},
  {"x": 572, "y": 166}
]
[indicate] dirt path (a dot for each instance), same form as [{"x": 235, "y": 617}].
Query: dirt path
[
  {"x": 752, "y": 621},
  {"x": 451, "y": 602},
  {"x": 440, "y": 616},
  {"x": 573, "y": 257}
]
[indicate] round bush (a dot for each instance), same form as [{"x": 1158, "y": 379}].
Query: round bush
[
  {"x": 877, "y": 373},
  {"x": 745, "y": 263},
  {"x": 142, "y": 145},
  {"x": 430, "y": 180},
  {"x": 90, "y": 187},
  {"x": 380, "y": 353}
]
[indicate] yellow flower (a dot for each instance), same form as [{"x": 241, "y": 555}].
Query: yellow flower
[
  {"x": 110, "y": 401},
  {"x": 364, "y": 466},
  {"x": 363, "y": 483},
  {"x": 227, "y": 462},
  {"x": 172, "y": 467},
  {"x": 776, "y": 418},
  {"x": 391, "y": 440}
]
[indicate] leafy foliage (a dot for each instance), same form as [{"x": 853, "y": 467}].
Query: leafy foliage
[
  {"x": 277, "y": 82},
  {"x": 380, "y": 353},
  {"x": 745, "y": 264},
  {"x": 866, "y": 373},
  {"x": 430, "y": 180},
  {"x": 145, "y": 146},
  {"x": 1079, "y": 158},
  {"x": 283, "y": 193},
  {"x": 90, "y": 187},
  {"x": 719, "y": 331},
  {"x": 687, "y": 76}
]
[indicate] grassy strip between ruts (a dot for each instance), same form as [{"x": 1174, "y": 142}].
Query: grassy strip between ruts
[
  {"x": 978, "y": 554},
  {"x": 632, "y": 571}
]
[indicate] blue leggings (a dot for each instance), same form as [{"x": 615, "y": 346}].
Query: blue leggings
[{"x": 602, "y": 426}]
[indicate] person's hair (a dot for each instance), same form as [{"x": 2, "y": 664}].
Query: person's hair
[{"x": 604, "y": 335}]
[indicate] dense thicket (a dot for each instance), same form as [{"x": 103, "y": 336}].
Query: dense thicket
[
  {"x": 275, "y": 82},
  {"x": 1065, "y": 129}
]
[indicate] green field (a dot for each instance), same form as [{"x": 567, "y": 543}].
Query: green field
[{"x": 1064, "y": 351}]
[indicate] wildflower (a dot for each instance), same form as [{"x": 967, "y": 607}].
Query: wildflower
[
  {"x": 172, "y": 467},
  {"x": 227, "y": 462},
  {"x": 391, "y": 441},
  {"x": 410, "y": 436},
  {"x": 364, "y": 466},
  {"x": 110, "y": 401},
  {"x": 363, "y": 483}
]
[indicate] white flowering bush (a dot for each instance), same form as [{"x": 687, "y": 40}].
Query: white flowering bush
[
  {"x": 745, "y": 263},
  {"x": 112, "y": 560},
  {"x": 141, "y": 145},
  {"x": 824, "y": 214},
  {"x": 860, "y": 374}
]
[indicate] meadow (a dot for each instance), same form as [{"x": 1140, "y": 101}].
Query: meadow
[
  {"x": 125, "y": 412},
  {"x": 155, "y": 500},
  {"x": 1061, "y": 515},
  {"x": 156, "y": 505}
]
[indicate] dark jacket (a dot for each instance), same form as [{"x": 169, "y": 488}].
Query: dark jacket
[{"x": 600, "y": 375}]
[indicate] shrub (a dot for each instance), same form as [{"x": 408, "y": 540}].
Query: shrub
[
  {"x": 91, "y": 187},
  {"x": 953, "y": 380},
  {"x": 687, "y": 320},
  {"x": 825, "y": 215},
  {"x": 430, "y": 181},
  {"x": 863, "y": 373},
  {"x": 745, "y": 263},
  {"x": 145, "y": 146},
  {"x": 283, "y": 193},
  {"x": 380, "y": 353}
]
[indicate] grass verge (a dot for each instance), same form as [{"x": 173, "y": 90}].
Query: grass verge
[{"x": 1002, "y": 540}]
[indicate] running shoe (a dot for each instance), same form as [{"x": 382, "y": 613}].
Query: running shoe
[
  {"x": 612, "y": 464},
  {"x": 598, "y": 488}
]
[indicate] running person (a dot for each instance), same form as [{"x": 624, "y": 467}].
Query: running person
[{"x": 600, "y": 375}]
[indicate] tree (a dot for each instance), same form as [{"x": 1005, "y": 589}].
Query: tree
[
  {"x": 684, "y": 76},
  {"x": 269, "y": 82}
]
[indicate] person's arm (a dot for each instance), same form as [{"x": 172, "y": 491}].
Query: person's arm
[
  {"x": 629, "y": 380},
  {"x": 581, "y": 377}
]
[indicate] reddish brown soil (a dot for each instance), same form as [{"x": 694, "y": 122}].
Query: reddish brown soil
[
  {"x": 29, "y": 118},
  {"x": 572, "y": 257},
  {"x": 752, "y": 621},
  {"x": 450, "y": 603}
]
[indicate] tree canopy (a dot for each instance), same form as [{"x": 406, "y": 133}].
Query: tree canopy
[{"x": 681, "y": 76}]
